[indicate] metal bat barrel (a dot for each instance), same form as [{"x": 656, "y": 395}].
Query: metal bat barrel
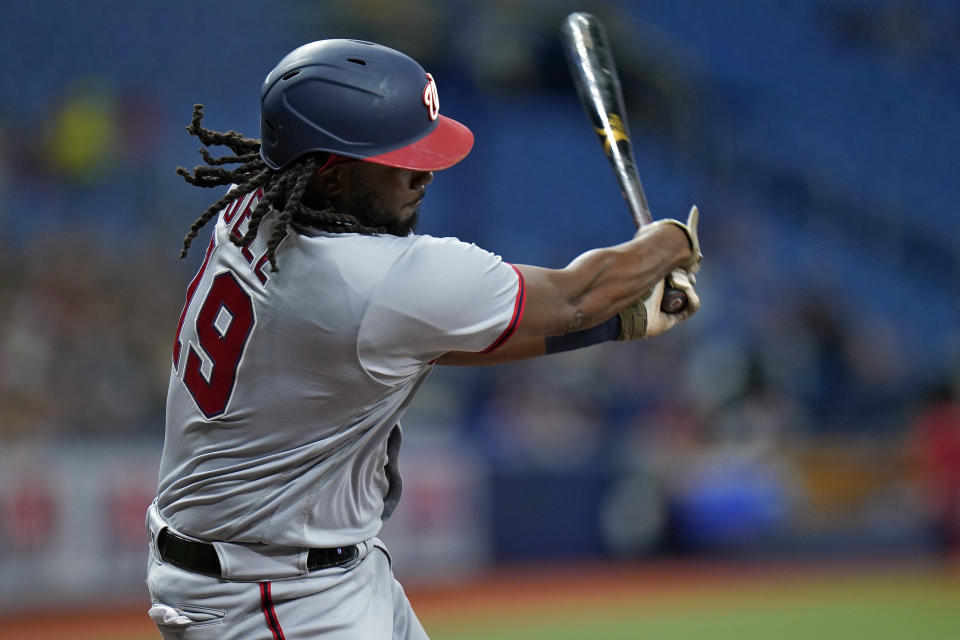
[{"x": 598, "y": 86}]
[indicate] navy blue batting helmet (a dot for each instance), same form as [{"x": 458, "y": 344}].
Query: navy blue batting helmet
[{"x": 360, "y": 100}]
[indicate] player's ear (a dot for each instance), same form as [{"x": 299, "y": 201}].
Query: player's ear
[
  {"x": 325, "y": 184},
  {"x": 331, "y": 180}
]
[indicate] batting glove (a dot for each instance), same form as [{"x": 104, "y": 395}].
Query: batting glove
[{"x": 644, "y": 319}]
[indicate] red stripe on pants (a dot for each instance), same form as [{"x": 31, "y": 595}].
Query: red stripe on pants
[{"x": 266, "y": 603}]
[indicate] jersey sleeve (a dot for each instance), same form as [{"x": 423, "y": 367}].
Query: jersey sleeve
[{"x": 441, "y": 295}]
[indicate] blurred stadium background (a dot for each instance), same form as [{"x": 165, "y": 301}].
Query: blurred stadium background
[{"x": 809, "y": 415}]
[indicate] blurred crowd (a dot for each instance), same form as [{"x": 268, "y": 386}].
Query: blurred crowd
[
  {"x": 765, "y": 415},
  {"x": 84, "y": 333}
]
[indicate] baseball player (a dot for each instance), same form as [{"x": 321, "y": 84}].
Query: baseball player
[{"x": 316, "y": 315}]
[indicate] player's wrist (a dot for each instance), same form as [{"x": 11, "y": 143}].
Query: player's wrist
[
  {"x": 691, "y": 261},
  {"x": 680, "y": 238},
  {"x": 604, "y": 332}
]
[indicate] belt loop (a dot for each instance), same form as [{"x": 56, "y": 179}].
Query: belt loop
[{"x": 161, "y": 542}]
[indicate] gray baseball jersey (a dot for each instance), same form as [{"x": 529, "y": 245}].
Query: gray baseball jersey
[{"x": 287, "y": 387}]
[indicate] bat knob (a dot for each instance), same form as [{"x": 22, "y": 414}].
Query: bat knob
[{"x": 674, "y": 301}]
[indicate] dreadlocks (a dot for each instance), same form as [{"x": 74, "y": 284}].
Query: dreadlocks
[{"x": 282, "y": 190}]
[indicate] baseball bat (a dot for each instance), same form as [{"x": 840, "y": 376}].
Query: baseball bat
[{"x": 598, "y": 86}]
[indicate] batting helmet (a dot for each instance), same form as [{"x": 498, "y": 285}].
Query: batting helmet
[{"x": 360, "y": 100}]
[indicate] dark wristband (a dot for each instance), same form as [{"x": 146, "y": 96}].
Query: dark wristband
[{"x": 603, "y": 332}]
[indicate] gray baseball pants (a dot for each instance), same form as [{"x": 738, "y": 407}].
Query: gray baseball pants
[{"x": 358, "y": 601}]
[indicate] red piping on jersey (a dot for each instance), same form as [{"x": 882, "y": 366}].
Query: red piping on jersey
[
  {"x": 517, "y": 314},
  {"x": 266, "y": 603}
]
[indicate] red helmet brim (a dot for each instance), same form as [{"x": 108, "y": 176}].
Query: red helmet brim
[{"x": 445, "y": 146}]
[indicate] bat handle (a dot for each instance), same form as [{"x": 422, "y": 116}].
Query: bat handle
[{"x": 674, "y": 300}]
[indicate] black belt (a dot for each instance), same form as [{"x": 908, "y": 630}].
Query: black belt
[{"x": 201, "y": 557}]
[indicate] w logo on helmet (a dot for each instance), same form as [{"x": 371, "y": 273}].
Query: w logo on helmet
[{"x": 431, "y": 98}]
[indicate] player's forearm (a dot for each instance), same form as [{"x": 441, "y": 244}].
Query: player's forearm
[
  {"x": 602, "y": 282},
  {"x": 628, "y": 271},
  {"x": 589, "y": 291}
]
